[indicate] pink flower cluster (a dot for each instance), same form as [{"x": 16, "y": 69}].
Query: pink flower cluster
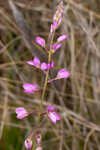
[
  {"x": 43, "y": 66},
  {"x": 50, "y": 111},
  {"x": 55, "y": 46}
]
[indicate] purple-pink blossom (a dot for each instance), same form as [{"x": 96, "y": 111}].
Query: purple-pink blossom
[
  {"x": 62, "y": 38},
  {"x": 56, "y": 46},
  {"x": 21, "y": 112},
  {"x": 63, "y": 73},
  {"x": 52, "y": 114},
  {"x": 43, "y": 66},
  {"x": 28, "y": 143},
  {"x": 40, "y": 41},
  {"x": 30, "y": 88},
  {"x": 35, "y": 62}
]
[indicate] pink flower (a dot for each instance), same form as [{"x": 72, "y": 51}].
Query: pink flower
[
  {"x": 62, "y": 38},
  {"x": 40, "y": 41},
  {"x": 56, "y": 46},
  {"x": 44, "y": 66},
  {"x": 30, "y": 88},
  {"x": 21, "y": 112},
  {"x": 63, "y": 73},
  {"x": 52, "y": 114},
  {"x": 28, "y": 143},
  {"x": 35, "y": 62}
]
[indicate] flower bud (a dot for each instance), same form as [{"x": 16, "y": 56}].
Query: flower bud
[
  {"x": 28, "y": 143},
  {"x": 38, "y": 138}
]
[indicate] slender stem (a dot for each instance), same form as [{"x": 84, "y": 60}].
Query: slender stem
[
  {"x": 47, "y": 73},
  {"x": 46, "y": 82}
]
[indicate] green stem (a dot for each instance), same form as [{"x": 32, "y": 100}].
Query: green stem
[{"x": 47, "y": 75}]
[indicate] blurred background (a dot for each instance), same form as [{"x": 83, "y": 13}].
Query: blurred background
[{"x": 78, "y": 102}]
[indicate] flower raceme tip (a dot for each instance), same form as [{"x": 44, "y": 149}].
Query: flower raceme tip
[
  {"x": 30, "y": 88},
  {"x": 21, "y": 112},
  {"x": 57, "y": 18}
]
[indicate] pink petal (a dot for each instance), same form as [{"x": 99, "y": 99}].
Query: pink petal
[
  {"x": 52, "y": 117},
  {"x": 40, "y": 41},
  {"x": 63, "y": 73},
  {"x": 62, "y": 38},
  {"x": 57, "y": 116},
  {"x": 30, "y": 62}
]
